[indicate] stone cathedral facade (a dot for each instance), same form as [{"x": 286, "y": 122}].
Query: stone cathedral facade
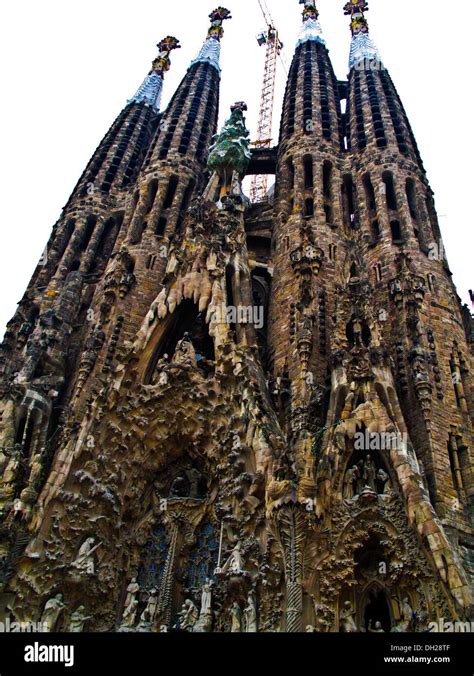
[{"x": 219, "y": 416}]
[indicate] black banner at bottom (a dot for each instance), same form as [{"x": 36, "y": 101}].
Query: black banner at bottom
[{"x": 235, "y": 653}]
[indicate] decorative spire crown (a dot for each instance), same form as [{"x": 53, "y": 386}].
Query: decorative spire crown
[
  {"x": 162, "y": 63},
  {"x": 311, "y": 29},
  {"x": 363, "y": 49},
  {"x": 210, "y": 51},
  {"x": 356, "y": 9},
  {"x": 151, "y": 88}
]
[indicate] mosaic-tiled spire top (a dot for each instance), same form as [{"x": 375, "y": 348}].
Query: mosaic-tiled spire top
[
  {"x": 362, "y": 46},
  {"x": 151, "y": 88},
  {"x": 211, "y": 49},
  {"x": 311, "y": 29}
]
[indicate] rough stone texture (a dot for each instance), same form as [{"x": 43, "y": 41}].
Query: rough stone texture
[{"x": 150, "y": 441}]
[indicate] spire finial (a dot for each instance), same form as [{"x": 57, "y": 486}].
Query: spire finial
[
  {"x": 363, "y": 50},
  {"x": 217, "y": 17},
  {"x": 210, "y": 51},
  {"x": 310, "y": 11},
  {"x": 151, "y": 88},
  {"x": 356, "y": 9},
  {"x": 162, "y": 63},
  {"x": 311, "y": 29}
]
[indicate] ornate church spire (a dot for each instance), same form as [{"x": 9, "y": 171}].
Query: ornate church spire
[
  {"x": 311, "y": 28},
  {"x": 211, "y": 49},
  {"x": 151, "y": 88},
  {"x": 362, "y": 45}
]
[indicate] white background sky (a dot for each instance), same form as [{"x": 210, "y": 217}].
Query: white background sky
[{"x": 68, "y": 68}]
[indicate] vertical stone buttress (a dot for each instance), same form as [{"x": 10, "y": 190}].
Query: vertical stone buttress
[
  {"x": 405, "y": 262},
  {"x": 307, "y": 213}
]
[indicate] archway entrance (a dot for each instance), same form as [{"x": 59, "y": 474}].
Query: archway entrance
[{"x": 376, "y": 610}]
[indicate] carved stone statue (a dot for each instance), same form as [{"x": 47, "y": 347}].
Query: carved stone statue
[
  {"x": 52, "y": 610},
  {"x": 377, "y": 629},
  {"x": 131, "y": 603},
  {"x": 347, "y": 619},
  {"x": 370, "y": 473},
  {"x": 234, "y": 563},
  {"x": 148, "y": 615},
  {"x": 132, "y": 589},
  {"x": 405, "y": 623},
  {"x": 236, "y": 615},
  {"x": 349, "y": 488},
  {"x": 36, "y": 470},
  {"x": 250, "y": 614},
  {"x": 152, "y": 603},
  {"x": 206, "y": 597},
  {"x": 78, "y": 620},
  {"x": 13, "y": 465},
  {"x": 130, "y": 612},
  {"x": 188, "y": 616},
  {"x": 84, "y": 561},
  {"x": 185, "y": 353},
  {"x": 163, "y": 379},
  {"x": 384, "y": 479},
  {"x": 407, "y": 612},
  {"x": 194, "y": 477},
  {"x": 360, "y": 477}
]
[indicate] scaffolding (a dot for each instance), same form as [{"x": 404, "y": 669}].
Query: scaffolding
[{"x": 273, "y": 44}]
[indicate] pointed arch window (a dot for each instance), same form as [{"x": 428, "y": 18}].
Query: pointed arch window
[
  {"x": 153, "y": 560},
  {"x": 203, "y": 557}
]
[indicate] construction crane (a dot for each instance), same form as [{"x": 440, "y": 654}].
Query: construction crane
[{"x": 273, "y": 44}]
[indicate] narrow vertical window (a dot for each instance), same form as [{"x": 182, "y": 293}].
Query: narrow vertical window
[
  {"x": 375, "y": 231},
  {"x": 369, "y": 194},
  {"x": 327, "y": 179},
  {"x": 411, "y": 198},
  {"x": 308, "y": 173},
  {"x": 170, "y": 193},
  {"x": 396, "y": 231},
  {"x": 309, "y": 208},
  {"x": 390, "y": 191},
  {"x": 348, "y": 201}
]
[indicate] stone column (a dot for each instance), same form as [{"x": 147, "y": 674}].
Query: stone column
[
  {"x": 290, "y": 523},
  {"x": 166, "y": 587}
]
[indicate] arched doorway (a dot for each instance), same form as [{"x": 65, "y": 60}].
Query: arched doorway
[{"x": 376, "y": 609}]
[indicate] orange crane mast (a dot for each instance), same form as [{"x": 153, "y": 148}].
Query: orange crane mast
[{"x": 270, "y": 38}]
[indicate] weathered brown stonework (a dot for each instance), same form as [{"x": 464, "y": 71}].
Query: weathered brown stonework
[{"x": 166, "y": 464}]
